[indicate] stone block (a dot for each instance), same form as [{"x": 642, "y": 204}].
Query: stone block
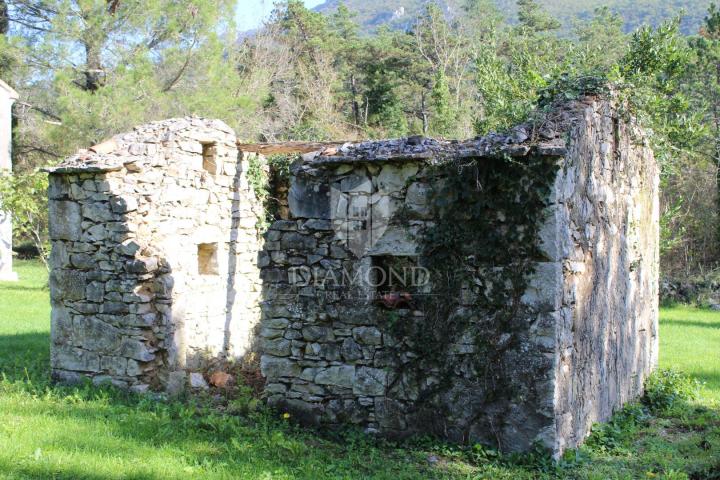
[
  {"x": 123, "y": 204},
  {"x": 133, "y": 368},
  {"x": 367, "y": 335},
  {"x": 339, "y": 376},
  {"x": 197, "y": 381},
  {"x": 58, "y": 187},
  {"x": 136, "y": 350},
  {"x": 350, "y": 350},
  {"x": 356, "y": 184},
  {"x": 316, "y": 333},
  {"x": 309, "y": 199},
  {"x": 83, "y": 261},
  {"x": 59, "y": 256},
  {"x": 64, "y": 220},
  {"x": 417, "y": 200},
  {"x": 97, "y": 212},
  {"x": 114, "y": 365},
  {"x": 93, "y": 334},
  {"x": 393, "y": 178},
  {"x": 67, "y": 285},
  {"x": 60, "y": 324},
  {"x": 176, "y": 383},
  {"x": 297, "y": 241},
  {"x": 278, "y": 347},
  {"x": 75, "y": 359},
  {"x": 275, "y": 367},
  {"x": 370, "y": 381},
  {"x": 545, "y": 287}
]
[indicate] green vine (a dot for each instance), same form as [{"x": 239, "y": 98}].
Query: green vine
[
  {"x": 480, "y": 252},
  {"x": 270, "y": 179}
]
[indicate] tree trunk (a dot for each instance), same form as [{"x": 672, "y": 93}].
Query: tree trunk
[
  {"x": 93, "y": 38},
  {"x": 4, "y": 19},
  {"x": 355, "y": 105},
  {"x": 424, "y": 113},
  {"x": 716, "y": 114},
  {"x": 717, "y": 185},
  {"x": 93, "y": 66}
]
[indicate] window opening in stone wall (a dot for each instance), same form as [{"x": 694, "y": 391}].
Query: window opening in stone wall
[
  {"x": 209, "y": 154},
  {"x": 396, "y": 279},
  {"x": 207, "y": 259}
]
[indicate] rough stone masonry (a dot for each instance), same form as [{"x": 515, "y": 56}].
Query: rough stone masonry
[
  {"x": 154, "y": 251},
  {"x": 158, "y": 268}
]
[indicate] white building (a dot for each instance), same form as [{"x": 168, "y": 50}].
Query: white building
[{"x": 7, "y": 98}]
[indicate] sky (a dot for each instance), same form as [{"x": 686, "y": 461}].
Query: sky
[{"x": 251, "y": 13}]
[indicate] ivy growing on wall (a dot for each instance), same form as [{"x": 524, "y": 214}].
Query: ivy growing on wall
[
  {"x": 270, "y": 179},
  {"x": 480, "y": 251}
]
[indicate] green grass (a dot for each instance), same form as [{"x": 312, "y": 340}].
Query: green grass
[
  {"x": 690, "y": 341},
  {"x": 87, "y": 432}
]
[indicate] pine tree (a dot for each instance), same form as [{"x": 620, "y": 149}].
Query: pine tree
[
  {"x": 533, "y": 18},
  {"x": 442, "y": 122},
  {"x": 97, "y": 67}
]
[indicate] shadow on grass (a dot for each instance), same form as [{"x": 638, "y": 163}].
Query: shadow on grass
[
  {"x": 25, "y": 356},
  {"x": 76, "y": 430},
  {"x": 22, "y": 288},
  {"x": 690, "y": 323}
]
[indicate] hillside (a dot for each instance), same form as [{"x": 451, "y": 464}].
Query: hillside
[{"x": 399, "y": 13}]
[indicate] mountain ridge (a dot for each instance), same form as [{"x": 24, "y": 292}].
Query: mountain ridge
[{"x": 400, "y": 13}]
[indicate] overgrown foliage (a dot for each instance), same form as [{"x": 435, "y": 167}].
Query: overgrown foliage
[
  {"x": 668, "y": 389},
  {"x": 270, "y": 179},
  {"x": 24, "y": 200},
  {"x": 86, "y": 70},
  {"x": 480, "y": 253}
]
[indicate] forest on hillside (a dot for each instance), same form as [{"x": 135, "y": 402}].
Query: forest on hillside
[
  {"x": 371, "y": 14},
  {"x": 89, "y": 69}
]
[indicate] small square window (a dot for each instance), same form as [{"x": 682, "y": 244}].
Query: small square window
[
  {"x": 209, "y": 153},
  {"x": 396, "y": 280},
  {"x": 207, "y": 259}
]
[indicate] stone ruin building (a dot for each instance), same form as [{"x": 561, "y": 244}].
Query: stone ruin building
[{"x": 499, "y": 290}]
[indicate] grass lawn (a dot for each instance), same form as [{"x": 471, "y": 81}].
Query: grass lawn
[
  {"x": 100, "y": 433},
  {"x": 690, "y": 341}
]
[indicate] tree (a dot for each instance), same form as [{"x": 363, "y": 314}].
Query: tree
[
  {"x": 658, "y": 70},
  {"x": 348, "y": 56},
  {"x": 24, "y": 199},
  {"x": 514, "y": 65},
  {"x": 444, "y": 48},
  {"x": 385, "y": 62},
  {"x": 88, "y": 69},
  {"x": 707, "y": 48},
  {"x": 533, "y": 18},
  {"x": 96, "y": 67},
  {"x": 443, "y": 116},
  {"x": 306, "y": 102},
  {"x": 601, "y": 42}
]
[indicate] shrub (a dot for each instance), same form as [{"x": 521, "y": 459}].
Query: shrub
[
  {"x": 26, "y": 250},
  {"x": 666, "y": 389},
  {"x": 612, "y": 435}
]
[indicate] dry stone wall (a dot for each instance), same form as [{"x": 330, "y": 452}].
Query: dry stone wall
[
  {"x": 330, "y": 352},
  {"x": 578, "y": 342},
  {"x": 499, "y": 290},
  {"x": 154, "y": 256},
  {"x": 608, "y": 216}
]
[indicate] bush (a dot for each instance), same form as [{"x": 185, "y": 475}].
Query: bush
[
  {"x": 26, "y": 250},
  {"x": 613, "y": 435},
  {"x": 666, "y": 389}
]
